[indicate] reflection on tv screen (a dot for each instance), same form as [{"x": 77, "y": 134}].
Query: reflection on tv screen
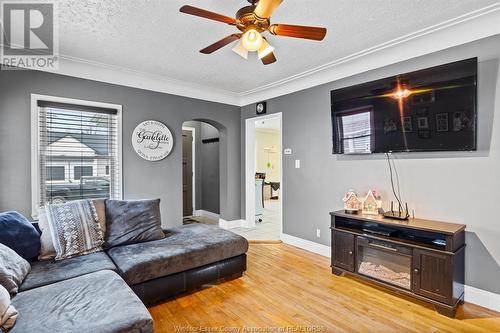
[{"x": 427, "y": 110}]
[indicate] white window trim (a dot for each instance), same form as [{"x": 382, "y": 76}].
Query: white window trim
[{"x": 35, "y": 144}]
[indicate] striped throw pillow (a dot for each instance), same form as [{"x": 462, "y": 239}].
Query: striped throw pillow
[{"x": 75, "y": 228}]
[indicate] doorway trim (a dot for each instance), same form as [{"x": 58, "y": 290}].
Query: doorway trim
[
  {"x": 250, "y": 163},
  {"x": 193, "y": 152}
]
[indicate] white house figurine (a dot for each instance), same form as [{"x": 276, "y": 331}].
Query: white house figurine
[
  {"x": 352, "y": 204},
  {"x": 372, "y": 203}
]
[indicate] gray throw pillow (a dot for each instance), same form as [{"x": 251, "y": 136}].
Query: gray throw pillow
[
  {"x": 8, "y": 313},
  {"x": 13, "y": 269},
  {"x": 130, "y": 222}
]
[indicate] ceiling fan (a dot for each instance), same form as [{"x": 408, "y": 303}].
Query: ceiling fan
[{"x": 252, "y": 21}]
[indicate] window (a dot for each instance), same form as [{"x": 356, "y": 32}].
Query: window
[
  {"x": 80, "y": 171},
  {"x": 76, "y": 150},
  {"x": 55, "y": 173},
  {"x": 357, "y": 132}
]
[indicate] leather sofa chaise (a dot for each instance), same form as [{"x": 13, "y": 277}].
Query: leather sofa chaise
[{"x": 102, "y": 292}]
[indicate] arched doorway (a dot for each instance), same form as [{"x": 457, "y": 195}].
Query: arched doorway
[{"x": 201, "y": 171}]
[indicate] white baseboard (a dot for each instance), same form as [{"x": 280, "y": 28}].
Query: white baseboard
[
  {"x": 206, "y": 213},
  {"x": 483, "y": 298},
  {"x": 222, "y": 223},
  {"x": 473, "y": 295},
  {"x": 230, "y": 224},
  {"x": 249, "y": 224},
  {"x": 305, "y": 244}
]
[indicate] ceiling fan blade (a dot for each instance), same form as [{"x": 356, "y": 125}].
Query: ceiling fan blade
[
  {"x": 265, "y": 8},
  {"x": 268, "y": 59},
  {"x": 298, "y": 31},
  {"x": 221, "y": 43},
  {"x": 207, "y": 14}
]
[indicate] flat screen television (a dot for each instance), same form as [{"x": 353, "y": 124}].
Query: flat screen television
[{"x": 432, "y": 109}]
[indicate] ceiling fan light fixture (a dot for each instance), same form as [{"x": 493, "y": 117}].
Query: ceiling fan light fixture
[
  {"x": 265, "y": 49},
  {"x": 251, "y": 40},
  {"x": 241, "y": 50},
  {"x": 252, "y": 22}
]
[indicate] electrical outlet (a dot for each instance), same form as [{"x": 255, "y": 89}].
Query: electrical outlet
[
  {"x": 297, "y": 164},
  {"x": 318, "y": 233}
]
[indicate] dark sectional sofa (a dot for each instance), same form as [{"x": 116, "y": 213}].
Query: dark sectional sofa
[{"x": 102, "y": 292}]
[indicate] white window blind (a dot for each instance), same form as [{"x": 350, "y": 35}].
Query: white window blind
[
  {"x": 357, "y": 132},
  {"x": 78, "y": 153}
]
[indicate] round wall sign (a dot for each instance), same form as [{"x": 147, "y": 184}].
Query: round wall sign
[{"x": 152, "y": 140}]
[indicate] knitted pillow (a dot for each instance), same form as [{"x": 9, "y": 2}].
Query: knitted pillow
[
  {"x": 74, "y": 227},
  {"x": 47, "y": 250}
]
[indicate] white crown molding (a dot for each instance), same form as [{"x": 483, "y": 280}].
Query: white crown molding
[
  {"x": 91, "y": 70},
  {"x": 467, "y": 28}
]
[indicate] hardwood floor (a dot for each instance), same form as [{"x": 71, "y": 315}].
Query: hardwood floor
[{"x": 286, "y": 289}]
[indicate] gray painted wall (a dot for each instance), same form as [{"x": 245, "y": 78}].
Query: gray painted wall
[
  {"x": 197, "y": 166},
  {"x": 454, "y": 187},
  {"x": 210, "y": 169},
  {"x": 141, "y": 179},
  {"x": 207, "y": 180}
]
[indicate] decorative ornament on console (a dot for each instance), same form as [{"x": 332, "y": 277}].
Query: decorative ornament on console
[
  {"x": 371, "y": 204},
  {"x": 352, "y": 204}
]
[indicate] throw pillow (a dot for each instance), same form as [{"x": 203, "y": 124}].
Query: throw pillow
[
  {"x": 130, "y": 222},
  {"x": 74, "y": 227},
  {"x": 13, "y": 269},
  {"x": 47, "y": 251},
  {"x": 100, "y": 208},
  {"x": 8, "y": 314},
  {"x": 19, "y": 234}
]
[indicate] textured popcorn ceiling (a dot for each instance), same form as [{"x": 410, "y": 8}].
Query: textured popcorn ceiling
[{"x": 151, "y": 36}]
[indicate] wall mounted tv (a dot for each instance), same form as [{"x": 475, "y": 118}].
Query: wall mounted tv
[{"x": 432, "y": 109}]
